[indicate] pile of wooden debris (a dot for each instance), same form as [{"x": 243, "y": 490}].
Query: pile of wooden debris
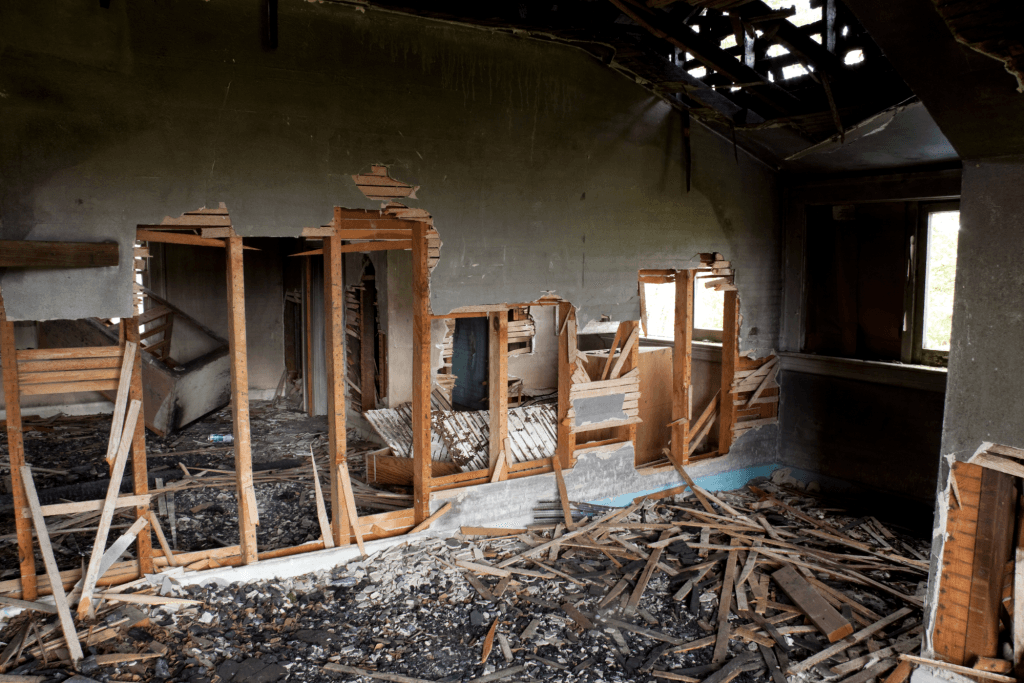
[{"x": 758, "y": 583}]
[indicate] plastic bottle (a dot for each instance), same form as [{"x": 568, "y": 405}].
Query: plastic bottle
[{"x": 222, "y": 438}]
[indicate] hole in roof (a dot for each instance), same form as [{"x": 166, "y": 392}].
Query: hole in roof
[
  {"x": 727, "y": 42},
  {"x": 854, "y": 57},
  {"x": 816, "y": 38},
  {"x": 699, "y": 72},
  {"x": 793, "y": 70},
  {"x": 776, "y": 50},
  {"x": 805, "y": 14}
]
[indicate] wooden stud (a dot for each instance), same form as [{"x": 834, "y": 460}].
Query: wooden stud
[
  {"x": 563, "y": 493},
  {"x": 67, "y": 623},
  {"x": 421, "y": 380},
  {"x": 321, "y": 508},
  {"x": 334, "y": 345},
  {"x": 682, "y": 351},
  {"x": 121, "y": 401},
  {"x": 248, "y": 515},
  {"x": 107, "y": 514},
  {"x": 140, "y": 466},
  {"x": 730, "y": 350},
  {"x": 367, "y": 392},
  {"x": 350, "y": 501},
  {"x": 611, "y": 353},
  {"x": 308, "y": 326},
  {"x": 497, "y": 386},
  {"x": 168, "y": 553},
  {"x": 632, "y": 341},
  {"x": 425, "y": 524},
  {"x": 16, "y": 453},
  {"x": 566, "y": 360}
]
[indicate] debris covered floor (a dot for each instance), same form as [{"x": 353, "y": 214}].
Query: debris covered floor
[
  {"x": 744, "y": 586},
  {"x": 199, "y": 509}
]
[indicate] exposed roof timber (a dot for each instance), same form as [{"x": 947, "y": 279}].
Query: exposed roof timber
[
  {"x": 678, "y": 34},
  {"x": 868, "y": 126}
]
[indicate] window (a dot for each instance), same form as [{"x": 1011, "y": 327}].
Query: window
[
  {"x": 708, "y": 311},
  {"x": 936, "y": 274}
]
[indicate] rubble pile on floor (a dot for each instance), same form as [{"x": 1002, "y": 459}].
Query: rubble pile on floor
[{"x": 755, "y": 584}]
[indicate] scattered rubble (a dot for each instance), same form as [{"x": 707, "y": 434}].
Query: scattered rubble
[{"x": 747, "y": 586}]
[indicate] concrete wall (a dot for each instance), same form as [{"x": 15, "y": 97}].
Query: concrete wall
[{"x": 544, "y": 170}]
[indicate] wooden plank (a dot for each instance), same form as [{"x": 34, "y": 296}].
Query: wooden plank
[
  {"x": 334, "y": 345},
  {"x": 168, "y": 553},
  {"x": 26, "y": 378},
  {"x": 39, "y": 254},
  {"x": 611, "y": 353},
  {"x": 425, "y": 524},
  {"x": 421, "y": 372},
  {"x": 140, "y": 475},
  {"x": 350, "y": 502},
  {"x": 402, "y": 233},
  {"x": 627, "y": 348},
  {"x": 682, "y": 351},
  {"x": 848, "y": 642},
  {"x": 107, "y": 513},
  {"x": 16, "y": 452},
  {"x": 321, "y": 507},
  {"x": 730, "y": 350},
  {"x": 49, "y": 366},
  {"x": 563, "y": 493},
  {"x": 724, "y": 607},
  {"x": 62, "y": 354},
  {"x": 497, "y": 387},
  {"x": 69, "y": 387},
  {"x": 1017, "y": 628},
  {"x": 963, "y": 670},
  {"x": 248, "y": 516},
  {"x": 121, "y": 401},
  {"x": 992, "y": 551},
  {"x": 818, "y": 610},
  {"x": 144, "y": 235},
  {"x": 999, "y": 464},
  {"x": 67, "y": 623},
  {"x": 87, "y": 506},
  {"x": 900, "y": 673}
]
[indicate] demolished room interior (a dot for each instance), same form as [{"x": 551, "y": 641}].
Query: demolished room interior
[{"x": 599, "y": 341}]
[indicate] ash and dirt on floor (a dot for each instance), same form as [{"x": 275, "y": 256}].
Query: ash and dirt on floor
[
  {"x": 67, "y": 458},
  {"x": 672, "y": 589}
]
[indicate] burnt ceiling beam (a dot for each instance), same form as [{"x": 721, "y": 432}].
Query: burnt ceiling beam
[
  {"x": 675, "y": 32},
  {"x": 797, "y": 41}
]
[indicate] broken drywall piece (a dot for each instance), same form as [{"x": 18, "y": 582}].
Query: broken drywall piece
[{"x": 379, "y": 186}]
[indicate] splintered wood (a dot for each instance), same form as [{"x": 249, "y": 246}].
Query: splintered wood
[{"x": 741, "y": 569}]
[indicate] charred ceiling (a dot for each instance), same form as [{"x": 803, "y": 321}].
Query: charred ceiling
[{"x": 805, "y": 70}]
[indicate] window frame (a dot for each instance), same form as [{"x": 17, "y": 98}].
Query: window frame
[
  {"x": 914, "y": 312},
  {"x": 701, "y": 335}
]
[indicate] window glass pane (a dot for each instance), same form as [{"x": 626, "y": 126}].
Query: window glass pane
[
  {"x": 943, "y": 228},
  {"x": 708, "y": 306},
  {"x": 661, "y": 304}
]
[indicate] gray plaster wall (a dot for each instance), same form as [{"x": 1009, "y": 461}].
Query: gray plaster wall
[
  {"x": 544, "y": 170},
  {"x": 984, "y": 399}
]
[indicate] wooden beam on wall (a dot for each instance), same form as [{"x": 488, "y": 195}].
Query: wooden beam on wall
[
  {"x": 730, "y": 350},
  {"x": 334, "y": 354},
  {"x": 140, "y": 476},
  {"x": 497, "y": 386},
  {"x": 248, "y": 515},
  {"x": 16, "y": 454},
  {"x": 421, "y": 373},
  {"x": 38, "y": 254},
  {"x": 682, "y": 364}
]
